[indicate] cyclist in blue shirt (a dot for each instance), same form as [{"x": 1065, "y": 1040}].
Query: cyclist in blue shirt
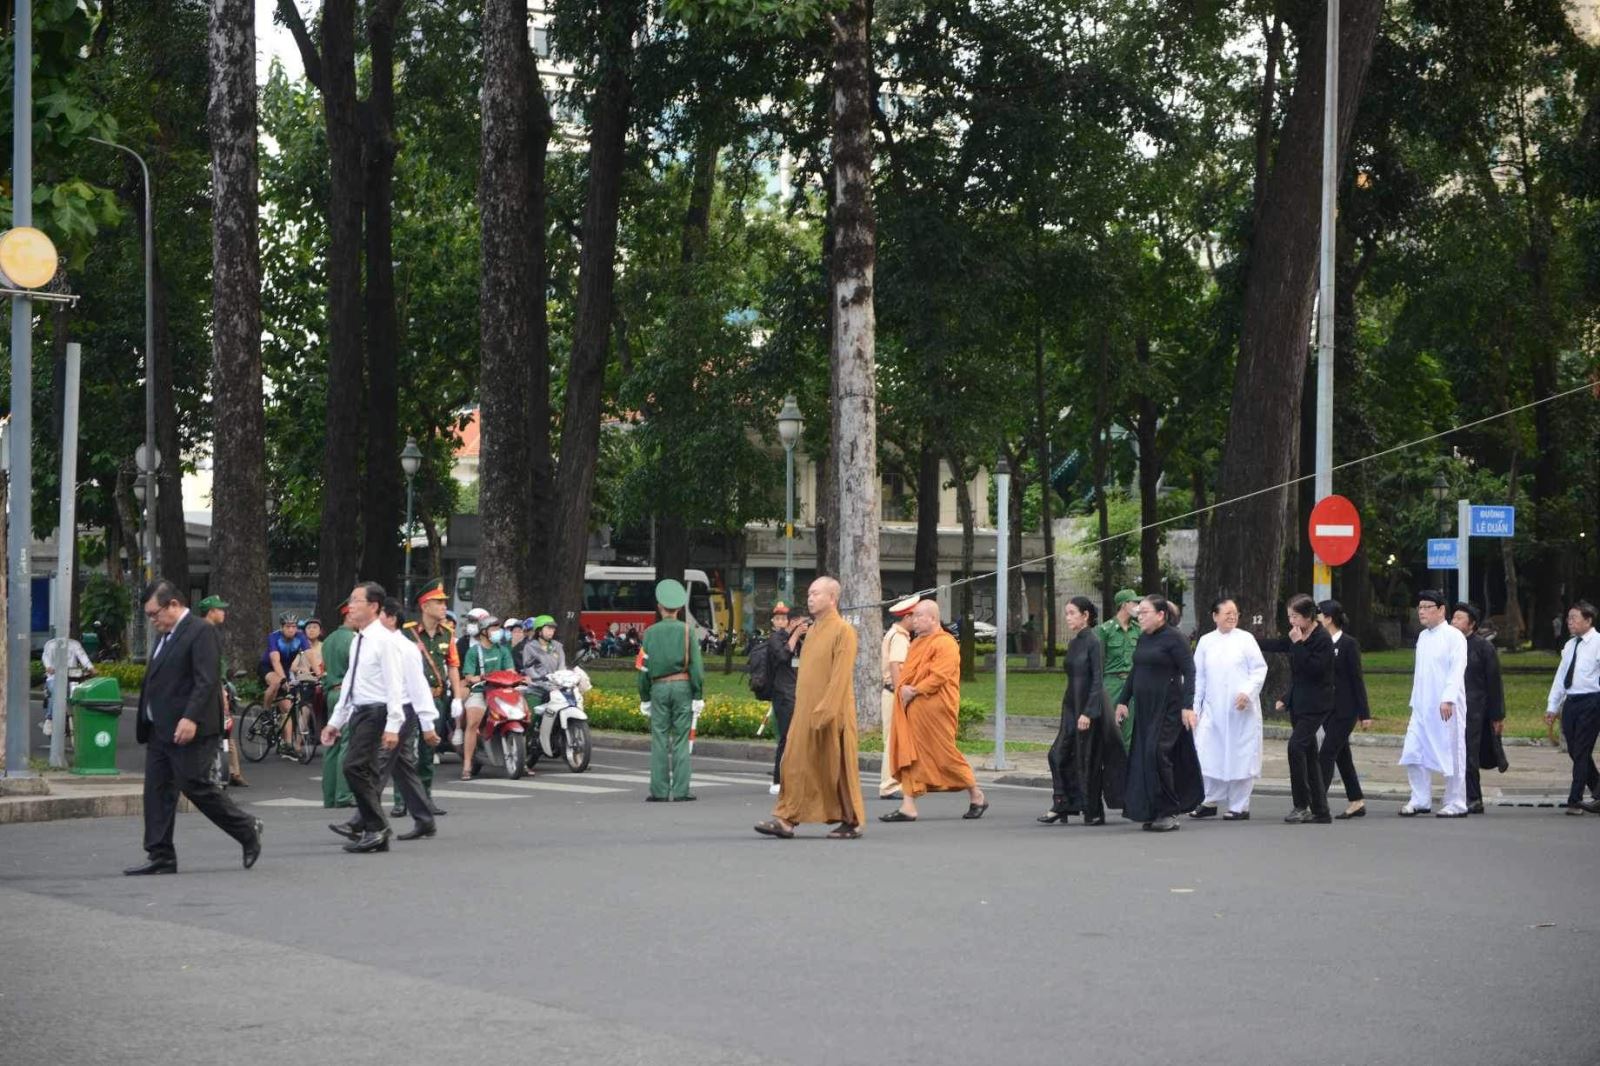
[{"x": 282, "y": 646}]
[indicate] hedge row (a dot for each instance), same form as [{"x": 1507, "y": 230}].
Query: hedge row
[
  {"x": 726, "y": 716},
  {"x": 130, "y": 675}
]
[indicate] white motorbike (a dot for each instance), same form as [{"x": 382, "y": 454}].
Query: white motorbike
[{"x": 563, "y": 724}]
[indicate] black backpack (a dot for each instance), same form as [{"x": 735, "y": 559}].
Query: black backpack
[{"x": 761, "y": 670}]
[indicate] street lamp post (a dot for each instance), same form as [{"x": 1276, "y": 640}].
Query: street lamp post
[
  {"x": 1440, "y": 492},
  {"x": 148, "y": 474},
  {"x": 410, "y": 462},
  {"x": 789, "y": 426}
]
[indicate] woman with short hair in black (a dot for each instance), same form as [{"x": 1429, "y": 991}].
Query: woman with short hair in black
[
  {"x": 1163, "y": 768},
  {"x": 1349, "y": 709},
  {"x": 1076, "y": 771},
  {"x": 1309, "y": 702}
]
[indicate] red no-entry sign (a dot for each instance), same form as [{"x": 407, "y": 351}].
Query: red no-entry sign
[{"x": 1335, "y": 530}]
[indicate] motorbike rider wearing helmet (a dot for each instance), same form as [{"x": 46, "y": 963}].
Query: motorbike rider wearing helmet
[
  {"x": 489, "y": 652},
  {"x": 542, "y": 655}
]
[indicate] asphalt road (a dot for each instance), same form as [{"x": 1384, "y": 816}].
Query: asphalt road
[{"x": 564, "y": 919}]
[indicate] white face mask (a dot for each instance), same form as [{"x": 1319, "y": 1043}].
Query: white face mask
[{"x": 472, "y": 629}]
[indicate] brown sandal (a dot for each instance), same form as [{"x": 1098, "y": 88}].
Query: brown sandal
[
  {"x": 846, "y": 832},
  {"x": 774, "y": 828}
]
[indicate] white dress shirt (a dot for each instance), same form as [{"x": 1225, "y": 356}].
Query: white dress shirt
[
  {"x": 418, "y": 692},
  {"x": 1585, "y": 679},
  {"x": 378, "y": 676}
]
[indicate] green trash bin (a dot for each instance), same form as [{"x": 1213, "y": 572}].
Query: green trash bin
[{"x": 96, "y": 708}]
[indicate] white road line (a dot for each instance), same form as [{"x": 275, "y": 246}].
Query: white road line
[
  {"x": 546, "y": 786},
  {"x": 463, "y": 794},
  {"x": 638, "y": 779},
  {"x": 290, "y": 801}
]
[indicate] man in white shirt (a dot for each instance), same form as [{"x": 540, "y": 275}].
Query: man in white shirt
[
  {"x": 400, "y": 763},
  {"x": 1575, "y": 696},
  {"x": 1436, "y": 739},
  {"x": 78, "y": 667},
  {"x": 372, "y": 704}
]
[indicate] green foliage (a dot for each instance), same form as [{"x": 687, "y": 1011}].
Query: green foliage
[
  {"x": 730, "y": 717},
  {"x": 104, "y": 603},
  {"x": 970, "y": 719}
]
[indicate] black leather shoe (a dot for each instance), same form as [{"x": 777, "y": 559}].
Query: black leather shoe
[
  {"x": 1095, "y": 821},
  {"x": 1320, "y": 819},
  {"x": 252, "y": 850},
  {"x": 1353, "y": 812},
  {"x": 378, "y": 841},
  {"x": 1052, "y": 817},
  {"x": 436, "y": 810},
  {"x": 1203, "y": 811},
  {"x": 655, "y": 799},
  {"x": 153, "y": 866},
  {"x": 346, "y": 830},
  {"x": 1236, "y": 816},
  {"x": 397, "y": 811},
  {"x": 690, "y": 798},
  {"x": 419, "y": 832},
  {"x": 1476, "y": 807}
]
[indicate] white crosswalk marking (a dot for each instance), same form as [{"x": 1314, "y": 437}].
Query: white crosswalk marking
[
  {"x": 546, "y": 786},
  {"x": 290, "y": 801},
  {"x": 463, "y": 794}
]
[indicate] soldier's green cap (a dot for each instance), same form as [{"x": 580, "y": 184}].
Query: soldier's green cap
[
  {"x": 1124, "y": 596},
  {"x": 671, "y": 595},
  {"x": 212, "y": 603},
  {"x": 433, "y": 590}
]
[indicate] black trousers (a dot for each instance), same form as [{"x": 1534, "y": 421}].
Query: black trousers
[
  {"x": 399, "y": 764},
  {"x": 1113, "y": 756},
  {"x": 782, "y": 711},
  {"x": 1335, "y": 752},
  {"x": 363, "y": 769},
  {"x": 171, "y": 770},
  {"x": 1305, "y": 771},
  {"x": 1475, "y": 727},
  {"x": 1580, "y": 727}
]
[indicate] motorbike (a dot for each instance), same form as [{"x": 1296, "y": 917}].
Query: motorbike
[
  {"x": 563, "y": 724},
  {"x": 502, "y": 735}
]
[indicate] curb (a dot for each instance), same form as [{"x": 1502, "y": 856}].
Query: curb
[
  {"x": 124, "y": 798},
  {"x": 740, "y": 750}
]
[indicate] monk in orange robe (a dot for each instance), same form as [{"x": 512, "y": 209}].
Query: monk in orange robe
[
  {"x": 922, "y": 744},
  {"x": 820, "y": 775}
]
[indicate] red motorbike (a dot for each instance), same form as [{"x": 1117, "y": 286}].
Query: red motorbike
[{"x": 503, "y": 733}]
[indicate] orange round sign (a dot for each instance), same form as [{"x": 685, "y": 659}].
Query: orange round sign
[{"x": 27, "y": 257}]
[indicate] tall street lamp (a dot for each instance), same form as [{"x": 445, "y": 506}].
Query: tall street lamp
[
  {"x": 789, "y": 426},
  {"x": 410, "y": 462},
  {"x": 1440, "y": 492},
  {"x": 149, "y": 497}
]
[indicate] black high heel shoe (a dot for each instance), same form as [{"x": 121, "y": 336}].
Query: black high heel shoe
[{"x": 1052, "y": 817}]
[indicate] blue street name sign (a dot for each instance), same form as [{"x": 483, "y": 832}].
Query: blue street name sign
[
  {"x": 1444, "y": 554},
  {"x": 1494, "y": 521}
]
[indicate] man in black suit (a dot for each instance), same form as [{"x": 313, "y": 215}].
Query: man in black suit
[
  {"x": 1486, "y": 703},
  {"x": 180, "y": 724}
]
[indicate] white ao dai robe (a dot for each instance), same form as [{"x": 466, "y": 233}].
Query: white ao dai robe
[
  {"x": 1228, "y": 740},
  {"x": 1433, "y": 744}
]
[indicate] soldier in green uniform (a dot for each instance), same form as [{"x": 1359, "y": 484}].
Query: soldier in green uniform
[
  {"x": 436, "y": 637},
  {"x": 671, "y": 687},
  {"x": 214, "y": 609},
  {"x": 1119, "y": 634},
  {"x": 336, "y": 662}
]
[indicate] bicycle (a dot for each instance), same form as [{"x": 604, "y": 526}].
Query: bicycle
[{"x": 260, "y": 729}]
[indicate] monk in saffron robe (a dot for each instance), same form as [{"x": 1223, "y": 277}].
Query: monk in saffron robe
[
  {"x": 922, "y": 744},
  {"x": 820, "y": 779}
]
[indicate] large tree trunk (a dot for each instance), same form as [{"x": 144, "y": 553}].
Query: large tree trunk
[
  {"x": 969, "y": 551},
  {"x": 591, "y": 333},
  {"x": 925, "y": 564},
  {"x": 1242, "y": 547},
  {"x": 1146, "y": 422},
  {"x": 238, "y": 502},
  {"x": 1102, "y": 432},
  {"x": 1516, "y": 625},
  {"x": 1046, "y": 495},
  {"x": 383, "y": 508},
  {"x": 333, "y": 72},
  {"x": 852, "y": 351},
  {"x": 514, "y": 139}
]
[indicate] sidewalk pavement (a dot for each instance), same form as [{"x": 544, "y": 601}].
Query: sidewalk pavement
[{"x": 51, "y": 796}]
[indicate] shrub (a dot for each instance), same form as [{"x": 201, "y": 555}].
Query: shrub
[
  {"x": 970, "y": 717},
  {"x": 129, "y": 675},
  {"x": 723, "y": 716}
]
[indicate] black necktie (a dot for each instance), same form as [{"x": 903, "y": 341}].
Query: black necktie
[
  {"x": 355, "y": 660},
  {"x": 1572, "y": 667}
]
